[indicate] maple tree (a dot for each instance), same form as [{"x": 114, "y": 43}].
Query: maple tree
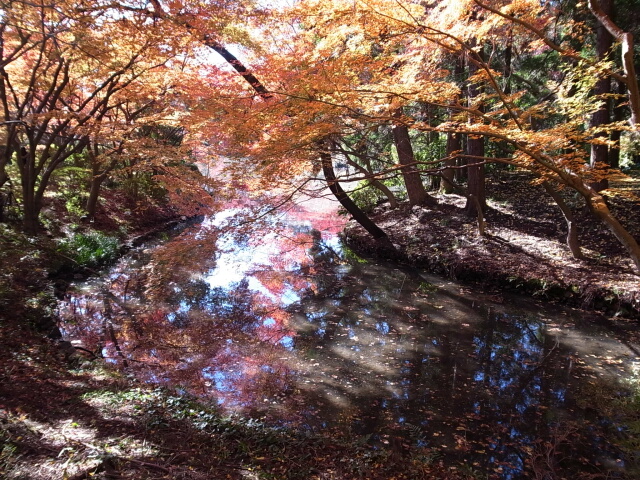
[
  {"x": 351, "y": 66},
  {"x": 61, "y": 95},
  {"x": 324, "y": 75},
  {"x": 96, "y": 87}
]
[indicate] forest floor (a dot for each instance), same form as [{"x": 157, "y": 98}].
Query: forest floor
[{"x": 524, "y": 246}]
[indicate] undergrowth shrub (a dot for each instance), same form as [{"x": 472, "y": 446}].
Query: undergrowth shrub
[
  {"x": 92, "y": 249},
  {"x": 366, "y": 197}
]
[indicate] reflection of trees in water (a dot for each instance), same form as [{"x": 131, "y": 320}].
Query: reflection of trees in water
[
  {"x": 176, "y": 335},
  {"x": 494, "y": 390},
  {"x": 364, "y": 349}
]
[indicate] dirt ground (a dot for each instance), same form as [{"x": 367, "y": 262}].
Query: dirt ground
[{"x": 524, "y": 247}]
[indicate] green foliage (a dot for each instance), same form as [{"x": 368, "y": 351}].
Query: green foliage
[
  {"x": 8, "y": 453},
  {"x": 71, "y": 182},
  {"x": 92, "y": 249},
  {"x": 75, "y": 206},
  {"x": 351, "y": 256},
  {"x": 142, "y": 184},
  {"x": 366, "y": 197},
  {"x": 429, "y": 149},
  {"x": 427, "y": 287}
]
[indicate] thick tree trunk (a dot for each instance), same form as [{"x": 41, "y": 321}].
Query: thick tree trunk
[
  {"x": 415, "y": 189},
  {"x": 628, "y": 64},
  {"x": 573, "y": 242},
  {"x": 30, "y": 223},
  {"x": 475, "y": 148},
  {"x": 30, "y": 209},
  {"x": 94, "y": 194},
  {"x": 604, "y": 42}
]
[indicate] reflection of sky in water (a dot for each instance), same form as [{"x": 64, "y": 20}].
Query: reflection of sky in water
[{"x": 236, "y": 261}]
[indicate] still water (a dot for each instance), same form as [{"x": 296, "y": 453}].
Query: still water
[{"x": 283, "y": 324}]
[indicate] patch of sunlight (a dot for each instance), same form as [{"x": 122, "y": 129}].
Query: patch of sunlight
[{"x": 611, "y": 357}]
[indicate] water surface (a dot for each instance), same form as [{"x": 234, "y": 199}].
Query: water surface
[{"x": 286, "y": 326}]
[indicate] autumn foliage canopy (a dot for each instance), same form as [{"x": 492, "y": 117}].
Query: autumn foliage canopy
[{"x": 406, "y": 94}]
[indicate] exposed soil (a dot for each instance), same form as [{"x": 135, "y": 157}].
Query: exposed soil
[{"x": 524, "y": 246}]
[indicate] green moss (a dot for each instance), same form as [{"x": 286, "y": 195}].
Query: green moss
[{"x": 351, "y": 256}]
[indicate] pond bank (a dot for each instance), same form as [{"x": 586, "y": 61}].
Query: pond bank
[{"x": 522, "y": 251}]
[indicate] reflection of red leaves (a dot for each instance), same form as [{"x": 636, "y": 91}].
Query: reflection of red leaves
[{"x": 156, "y": 316}]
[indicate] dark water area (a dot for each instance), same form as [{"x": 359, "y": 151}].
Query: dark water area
[{"x": 287, "y": 326}]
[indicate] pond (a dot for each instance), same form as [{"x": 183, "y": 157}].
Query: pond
[{"x": 280, "y": 322}]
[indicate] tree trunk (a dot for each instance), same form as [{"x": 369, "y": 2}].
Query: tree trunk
[
  {"x": 573, "y": 242},
  {"x": 597, "y": 205},
  {"x": 454, "y": 140},
  {"x": 628, "y": 64},
  {"x": 508, "y": 52},
  {"x": 415, "y": 189},
  {"x": 475, "y": 148},
  {"x": 94, "y": 194},
  {"x": 599, "y": 208},
  {"x": 604, "y": 42},
  {"x": 30, "y": 223},
  {"x": 454, "y": 144},
  {"x": 618, "y": 116},
  {"x": 475, "y": 176},
  {"x": 348, "y": 204},
  {"x": 30, "y": 210}
]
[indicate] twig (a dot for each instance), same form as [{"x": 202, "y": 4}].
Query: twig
[{"x": 150, "y": 465}]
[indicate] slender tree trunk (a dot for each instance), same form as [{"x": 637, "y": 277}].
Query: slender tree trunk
[
  {"x": 618, "y": 116},
  {"x": 597, "y": 205},
  {"x": 415, "y": 189},
  {"x": 454, "y": 144},
  {"x": 573, "y": 242},
  {"x": 348, "y": 204},
  {"x": 5, "y": 156},
  {"x": 604, "y": 42},
  {"x": 475, "y": 176},
  {"x": 599, "y": 208},
  {"x": 508, "y": 52}
]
